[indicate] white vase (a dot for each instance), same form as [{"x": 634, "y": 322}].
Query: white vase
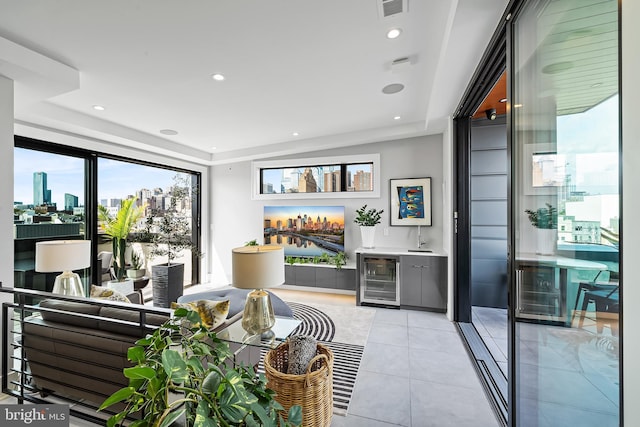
[
  {"x": 546, "y": 241},
  {"x": 368, "y": 233}
]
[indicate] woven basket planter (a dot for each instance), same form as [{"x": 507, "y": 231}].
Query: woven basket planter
[{"x": 313, "y": 391}]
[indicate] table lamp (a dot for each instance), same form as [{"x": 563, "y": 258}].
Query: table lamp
[
  {"x": 65, "y": 256},
  {"x": 258, "y": 268}
]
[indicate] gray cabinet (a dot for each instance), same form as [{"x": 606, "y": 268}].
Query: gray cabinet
[
  {"x": 316, "y": 276},
  {"x": 423, "y": 282}
]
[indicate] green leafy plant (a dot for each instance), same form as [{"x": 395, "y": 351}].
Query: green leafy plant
[
  {"x": 184, "y": 372},
  {"x": 136, "y": 260},
  {"x": 544, "y": 218},
  {"x": 253, "y": 242},
  {"x": 368, "y": 217},
  {"x": 118, "y": 228}
]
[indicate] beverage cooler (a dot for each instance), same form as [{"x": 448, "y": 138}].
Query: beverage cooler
[{"x": 379, "y": 280}]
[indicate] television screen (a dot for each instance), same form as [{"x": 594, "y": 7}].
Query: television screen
[{"x": 305, "y": 231}]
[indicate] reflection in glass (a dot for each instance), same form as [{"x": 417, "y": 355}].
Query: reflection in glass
[{"x": 565, "y": 138}]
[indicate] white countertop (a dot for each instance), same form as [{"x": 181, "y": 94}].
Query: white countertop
[{"x": 398, "y": 251}]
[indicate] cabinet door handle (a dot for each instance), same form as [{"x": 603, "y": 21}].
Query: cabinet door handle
[{"x": 416, "y": 266}]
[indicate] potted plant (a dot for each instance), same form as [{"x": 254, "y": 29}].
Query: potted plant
[
  {"x": 118, "y": 228},
  {"x": 184, "y": 373},
  {"x": 172, "y": 236},
  {"x": 136, "y": 269},
  {"x": 367, "y": 220},
  {"x": 545, "y": 220}
]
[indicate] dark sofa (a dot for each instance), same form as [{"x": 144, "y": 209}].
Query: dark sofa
[{"x": 73, "y": 348}]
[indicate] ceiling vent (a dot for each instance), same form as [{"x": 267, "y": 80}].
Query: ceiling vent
[{"x": 389, "y": 8}]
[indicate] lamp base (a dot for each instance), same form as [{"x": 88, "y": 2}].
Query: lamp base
[
  {"x": 258, "y": 314},
  {"x": 68, "y": 283}
]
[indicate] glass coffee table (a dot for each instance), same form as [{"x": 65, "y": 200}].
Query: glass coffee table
[{"x": 247, "y": 348}]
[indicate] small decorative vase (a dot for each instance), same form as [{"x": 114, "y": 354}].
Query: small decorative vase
[
  {"x": 368, "y": 233},
  {"x": 546, "y": 241}
]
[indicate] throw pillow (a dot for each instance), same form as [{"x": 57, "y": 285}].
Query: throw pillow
[
  {"x": 100, "y": 292},
  {"x": 212, "y": 313},
  {"x": 302, "y": 348}
]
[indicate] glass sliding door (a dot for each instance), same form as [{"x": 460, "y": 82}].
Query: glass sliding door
[
  {"x": 565, "y": 198},
  {"x": 154, "y": 188}
]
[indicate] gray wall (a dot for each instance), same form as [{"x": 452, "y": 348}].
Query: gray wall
[
  {"x": 238, "y": 219},
  {"x": 489, "y": 214}
]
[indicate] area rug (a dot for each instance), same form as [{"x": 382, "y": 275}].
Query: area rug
[{"x": 352, "y": 323}]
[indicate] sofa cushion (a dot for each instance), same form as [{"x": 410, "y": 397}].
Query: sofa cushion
[
  {"x": 237, "y": 298},
  {"x": 128, "y": 315},
  {"x": 212, "y": 313},
  {"x": 73, "y": 307},
  {"x": 101, "y": 292}
]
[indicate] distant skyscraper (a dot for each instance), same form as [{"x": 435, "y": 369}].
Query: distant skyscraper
[
  {"x": 307, "y": 183},
  {"x": 362, "y": 181},
  {"x": 41, "y": 195},
  {"x": 70, "y": 202}
]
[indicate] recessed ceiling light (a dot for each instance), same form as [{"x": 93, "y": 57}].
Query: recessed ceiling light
[
  {"x": 218, "y": 77},
  {"x": 295, "y": 134},
  {"x": 168, "y": 132},
  {"x": 392, "y": 88},
  {"x": 503, "y": 100},
  {"x": 98, "y": 107},
  {"x": 394, "y": 33},
  {"x": 397, "y": 118}
]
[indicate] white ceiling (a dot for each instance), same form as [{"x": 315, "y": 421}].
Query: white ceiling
[{"x": 312, "y": 67}]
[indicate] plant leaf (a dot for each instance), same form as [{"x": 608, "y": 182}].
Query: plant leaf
[
  {"x": 173, "y": 416},
  {"x": 295, "y": 415},
  {"x": 174, "y": 366},
  {"x": 118, "y": 396},
  {"x": 211, "y": 383},
  {"x": 139, "y": 372}
]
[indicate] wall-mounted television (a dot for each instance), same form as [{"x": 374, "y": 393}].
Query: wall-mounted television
[{"x": 305, "y": 231}]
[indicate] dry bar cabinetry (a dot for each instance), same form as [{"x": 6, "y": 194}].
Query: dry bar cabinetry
[
  {"x": 424, "y": 282},
  {"x": 421, "y": 278}
]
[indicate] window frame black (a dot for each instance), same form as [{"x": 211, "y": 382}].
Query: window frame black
[{"x": 91, "y": 192}]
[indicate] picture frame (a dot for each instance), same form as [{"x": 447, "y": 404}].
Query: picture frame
[{"x": 410, "y": 201}]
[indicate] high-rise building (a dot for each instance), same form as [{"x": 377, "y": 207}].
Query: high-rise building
[
  {"x": 332, "y": 181},
  {"x": 41, "y": 195},
  {"x": 307, "y": 183},
  {"x": 363, "y": 181},
  {"x": 70, "y": 202}
]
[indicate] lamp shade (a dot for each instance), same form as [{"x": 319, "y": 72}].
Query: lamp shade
[
  {"x": 258, "y": 267},
  {"x": 62, "y": 255}
]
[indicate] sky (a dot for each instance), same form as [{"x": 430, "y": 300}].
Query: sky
[
  {"x": 332, "y": 213},
  {"x": 65, "y": 175}
]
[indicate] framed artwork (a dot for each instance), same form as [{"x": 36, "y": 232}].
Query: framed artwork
[{"x": 410, "y": 201}]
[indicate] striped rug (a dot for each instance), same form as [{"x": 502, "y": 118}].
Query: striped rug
[{"x": 346, "y": 357}]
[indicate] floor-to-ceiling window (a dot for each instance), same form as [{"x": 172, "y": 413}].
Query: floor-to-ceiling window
[
  {"x": 565, "y": 199},
  {"x": 49, "y": 204},
  {"x": 57, "y": 192}
]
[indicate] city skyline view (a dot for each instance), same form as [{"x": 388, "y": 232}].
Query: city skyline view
[{"x": 65, "y": 174}]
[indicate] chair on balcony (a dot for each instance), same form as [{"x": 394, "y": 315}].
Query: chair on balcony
[
  {"x": 105, "y": 259},
  {"x": 607, "y": 304},
  {"x": 595, "y": 285}
]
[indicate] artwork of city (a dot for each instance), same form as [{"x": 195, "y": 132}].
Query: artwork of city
[{"x": 305, "y": 231}]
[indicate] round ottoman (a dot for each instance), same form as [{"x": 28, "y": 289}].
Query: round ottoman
[{"x": 237, "y": 298}]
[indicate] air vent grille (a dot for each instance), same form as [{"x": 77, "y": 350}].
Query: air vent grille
[{"x": 391, "y": 7}]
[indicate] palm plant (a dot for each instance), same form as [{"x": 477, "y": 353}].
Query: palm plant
[{"x": 118, "y": 229}]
